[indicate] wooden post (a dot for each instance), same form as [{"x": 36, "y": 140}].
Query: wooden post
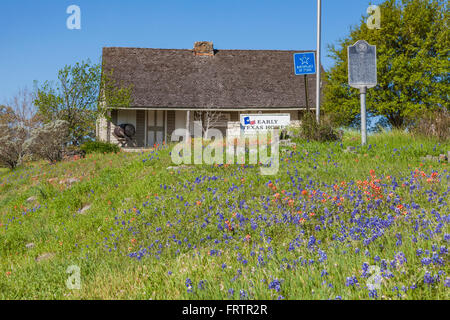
[
  {"x": 187, "y": 125},
  {"x": 306, "y": 94}
]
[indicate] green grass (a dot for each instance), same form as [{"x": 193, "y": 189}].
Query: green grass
[{"x": 156, "y": 204}]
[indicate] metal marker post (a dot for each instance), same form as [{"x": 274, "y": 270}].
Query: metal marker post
[{"x": 363, "y": 92}]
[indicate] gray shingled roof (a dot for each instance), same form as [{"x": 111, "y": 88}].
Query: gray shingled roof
[{"x": 232, "y": 79}]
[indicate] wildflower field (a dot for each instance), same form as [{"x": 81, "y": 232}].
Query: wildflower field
[{"x": 368, "y": 224}]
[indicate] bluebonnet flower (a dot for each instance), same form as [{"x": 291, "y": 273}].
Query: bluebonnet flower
[
  {"x": 351, "y": 281},
  {"x": 426, "y": 261},
  {"x": 447, "y": 282},
  {"x": 399, "y": 240},
  {"x": 400, "y": 258},
  {"x": 428, "y": 278},
  {"x": 260, "y": 260},
  {"x": 189, "y": 285},
  {"x": 323, "y": 255},
  {"x": 201, "y": 284},
  {"x": 437, "y": 260},
  {"x": 243, "y": 294},
  {"x": 383, "y": 265},
  {"x": 365, "y": 268},
  {"x": 275, "y": 284},
  {"x": 373, "y": 293},
  {"x": 323, "y": 273},
  {"x": 311, "y": 242}
]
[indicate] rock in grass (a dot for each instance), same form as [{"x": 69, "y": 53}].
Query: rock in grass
[
  {"x": 51, "y": 180},
  {"x": 29, "y": 245},
  {"x": 287, "y": 143},
  {"x": 176, "y": 168},
  {"x": 69, "y": 181},
  {"x": 72, "y": 180},
  {"x": 45, "y": 256},
  {"x": 32, "y": 199},
  {"x": 350, "y": 149},
  {"x": 85, "y": 209},
  {"x": 441, "y": 158}
]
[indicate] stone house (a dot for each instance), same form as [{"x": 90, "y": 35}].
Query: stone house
[{"x": 170, "y": 87}]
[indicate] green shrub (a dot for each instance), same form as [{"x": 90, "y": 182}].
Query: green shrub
[
  {"x": 100, "y": 147},
  {"x": 433, "y": 124},
  {"x": 311, "y": 130}
]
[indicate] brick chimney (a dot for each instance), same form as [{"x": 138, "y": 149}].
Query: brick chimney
[{"x": 203, "y": 48}]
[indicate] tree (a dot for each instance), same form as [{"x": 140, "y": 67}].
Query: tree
[
  {"x": 11, "y": 145},
  {"x": 20, "y": 111},
  {"x": 209, "y": 119},
  {"x": 24, "y": 109},
  {"x": 48, "y": 141},
  {"x": 82, "y": 94},
  {"x": 412, "y": 61},
  {"x": 7, "y": 116},
  {"x": 17, "y": 118}
]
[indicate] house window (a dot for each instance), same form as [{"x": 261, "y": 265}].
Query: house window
[{"x": 126, "y": 117}]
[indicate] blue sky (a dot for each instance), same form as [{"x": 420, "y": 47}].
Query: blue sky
[{"x": 35, "y": 42}]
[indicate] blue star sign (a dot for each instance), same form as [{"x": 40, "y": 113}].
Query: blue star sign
[{"x": 305, "y": 63}]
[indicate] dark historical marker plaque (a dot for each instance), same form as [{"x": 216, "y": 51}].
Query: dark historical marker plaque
[
  {"x": 362, "y": 74},
  {"x": 362, "y": 65}
]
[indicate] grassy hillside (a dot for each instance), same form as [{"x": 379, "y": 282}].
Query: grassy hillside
[{"x": 322, "y": 228}]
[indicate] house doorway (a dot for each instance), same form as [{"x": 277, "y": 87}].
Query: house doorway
[{"x": 155, "y": 127}]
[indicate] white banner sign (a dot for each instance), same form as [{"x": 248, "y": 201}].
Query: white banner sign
[{"x": 254, "y": 123}]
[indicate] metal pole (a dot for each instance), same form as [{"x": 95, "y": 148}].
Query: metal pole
[
  {"x": 363, "y": 92},
  {"x": 319, "y": 31}
]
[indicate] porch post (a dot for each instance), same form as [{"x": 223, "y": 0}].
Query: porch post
[
  {"x": 187, "y": 125},
  {"x": 108, "y": 127},
  {"x": 146, "y": 129}
]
